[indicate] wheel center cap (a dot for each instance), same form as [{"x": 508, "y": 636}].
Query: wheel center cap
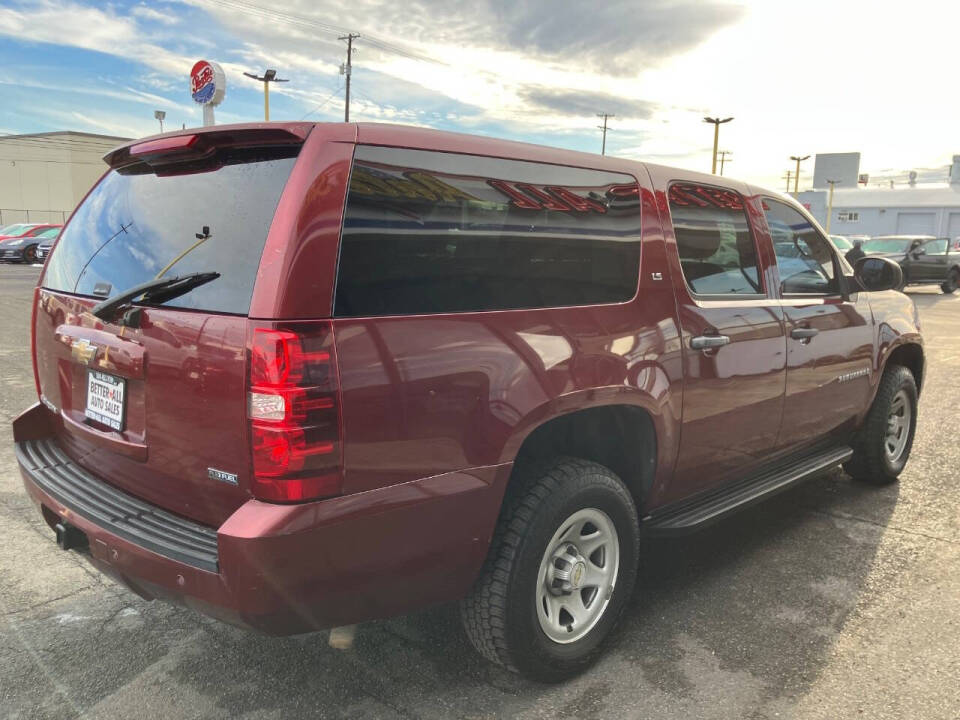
[{"x": 576, "y": 575}]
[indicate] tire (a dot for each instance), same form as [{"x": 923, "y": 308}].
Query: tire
[
  {"x": 527, "y": 576},
  {"x": 952, "y": 282},
  {"x": 873, "y": 460},
  {"x": 30, "y": 254}
]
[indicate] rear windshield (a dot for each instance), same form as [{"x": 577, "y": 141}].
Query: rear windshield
[
  {"x": 433, "y": 232},
  {"x": 136, "y": 226}
]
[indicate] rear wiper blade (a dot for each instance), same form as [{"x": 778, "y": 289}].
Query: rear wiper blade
[{"x": 159, "y": 290}]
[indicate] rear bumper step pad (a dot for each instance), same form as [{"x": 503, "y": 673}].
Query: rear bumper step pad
[{"x": 115, "y": 511}]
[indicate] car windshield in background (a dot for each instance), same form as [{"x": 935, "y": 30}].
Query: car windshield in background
[
  {"x": 136, "y": 226},
  {"x": 48, "y": 233},
  {"x": 841, "y": 243},
  {"x": 887, "y": 245},
  {"x": 18, "y": 230}
]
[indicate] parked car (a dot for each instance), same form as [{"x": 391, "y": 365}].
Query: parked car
[
  {"x": 841, "y": 243},
  {"x": 22, "y": 245},
  {"x": 924, "y": 259},
  {"x": 47, "y": 239},
  {"x": 301, "y": 376}
]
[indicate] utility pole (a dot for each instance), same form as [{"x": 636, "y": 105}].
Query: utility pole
[
  {"x": 345, "y": 70},
  {"x": 717, "y": 122},
  {"x": 788, "y": 177},
  {"x": 160, "y": 115},
  {"x": 603, "y": 145},
  {"x": 269, "y": 76},
  {"x": 831, "y": 183},
  {"x": 723, "y": 159},
  {"x": 796, "y": 178}
]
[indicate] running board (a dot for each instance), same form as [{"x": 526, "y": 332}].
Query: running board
[{"x": 711, "y": 506}]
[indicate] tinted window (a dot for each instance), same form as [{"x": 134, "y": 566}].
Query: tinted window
[
  {"x": 429, "y": 232},
  {"x": 936, "y": 247},
  {"x": 887, "y": 245},
  {"x": 136, "y": 226},
  {"x": 841, "y": 243},
  {"x": 717, "y": 252},
  {"x": 804, "y": 256}
]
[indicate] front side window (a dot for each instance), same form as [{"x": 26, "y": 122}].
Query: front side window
[
  {"x": 431, "y": 232},
  {"x": 936, "y": 247},
  {"x": 804, "y": 256},
  {"x": 717, "y": 252}
]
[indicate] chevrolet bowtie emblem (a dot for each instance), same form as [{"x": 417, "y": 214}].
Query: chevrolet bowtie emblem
[{"x": 83, "y": 351}]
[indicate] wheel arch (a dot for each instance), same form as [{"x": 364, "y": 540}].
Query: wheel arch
[
  {"x": 909, "y": 355},
  {"x": 622, "y": 437}
]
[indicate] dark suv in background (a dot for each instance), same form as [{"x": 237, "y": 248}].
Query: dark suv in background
[
  {"x": 299, "y": 376},
  {"x": 924, "y": 259}
]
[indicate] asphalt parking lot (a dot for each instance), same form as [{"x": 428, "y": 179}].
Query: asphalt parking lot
[{"x": 833, "y": 600}]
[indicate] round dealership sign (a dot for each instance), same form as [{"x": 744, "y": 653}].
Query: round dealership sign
[{"x": 207, "y": 83}]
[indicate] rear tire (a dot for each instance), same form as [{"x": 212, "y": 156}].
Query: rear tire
[
  {"x": 885, "y": 441},
  {"x": 952, "y": 282},
  {"x": 559, "y": 572}
]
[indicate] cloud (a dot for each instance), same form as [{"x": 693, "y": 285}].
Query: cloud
[
  {"x": 586, "y": 103},
  {"x": 148, "y": 13}
]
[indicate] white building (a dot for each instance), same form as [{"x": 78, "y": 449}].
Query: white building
[
  {"x": 43, "y": 176},
  {"x": 904, "y": 210}
]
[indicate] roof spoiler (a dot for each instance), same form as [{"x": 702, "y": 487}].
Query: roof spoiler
[{"x": 197, "y": 144}]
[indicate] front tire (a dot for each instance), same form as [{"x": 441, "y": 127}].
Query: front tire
[
  {"x": 30, "y": 254},
  {"x": 559, "y": 572},
  {"x": 950, "y": 285},
  {"x": 884, "y": 444}
]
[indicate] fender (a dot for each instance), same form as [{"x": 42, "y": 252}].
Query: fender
[
  {"x": 662, "y": 406},
  {"x": 897, "y": 324}
]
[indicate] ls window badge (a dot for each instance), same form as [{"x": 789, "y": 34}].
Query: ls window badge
[{"x": 222, "y": 476}]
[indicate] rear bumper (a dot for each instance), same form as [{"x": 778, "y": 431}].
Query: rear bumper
[{"x": 281, "y": 569}]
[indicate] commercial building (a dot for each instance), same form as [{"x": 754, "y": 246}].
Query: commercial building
[
  {"x": 914, "y": 208},
  {"x": 43, "y": 176}
]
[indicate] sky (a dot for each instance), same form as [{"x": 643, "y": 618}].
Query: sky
[{"x": 797, "y": 77}]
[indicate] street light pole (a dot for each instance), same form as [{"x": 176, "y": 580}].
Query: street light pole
[
  {"x": 717, "y": 122},
  {"x": 160, "y": 115},
  {"x": 268, "y": 77},
  {"x": 796, "y": 178},
  {"x": 831, "y": 183}
]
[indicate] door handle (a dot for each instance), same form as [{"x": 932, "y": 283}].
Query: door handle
[
  {"x": 803, "y": 333},
  {"x": 707, "y": 342}
]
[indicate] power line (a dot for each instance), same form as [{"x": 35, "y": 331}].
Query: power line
[{"x": 318, "y": 107}]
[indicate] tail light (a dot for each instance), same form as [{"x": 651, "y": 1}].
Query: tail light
[{"x": 293, "y": 408}]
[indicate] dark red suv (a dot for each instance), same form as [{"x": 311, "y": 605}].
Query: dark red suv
[{"x": 299, "y": 376}]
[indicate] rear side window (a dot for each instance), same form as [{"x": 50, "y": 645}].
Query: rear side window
[
  {"x": 137, "y": 225},
  {"x": 431, "y": 232},
  {"x": 717, "y": 252}
]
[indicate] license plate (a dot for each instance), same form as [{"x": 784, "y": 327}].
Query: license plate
[{"x": 105, "y": 399}]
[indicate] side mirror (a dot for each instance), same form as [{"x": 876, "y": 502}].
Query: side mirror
[
  {"x": 877, "y": 273},
  {"x": 917, "y": 252}
]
